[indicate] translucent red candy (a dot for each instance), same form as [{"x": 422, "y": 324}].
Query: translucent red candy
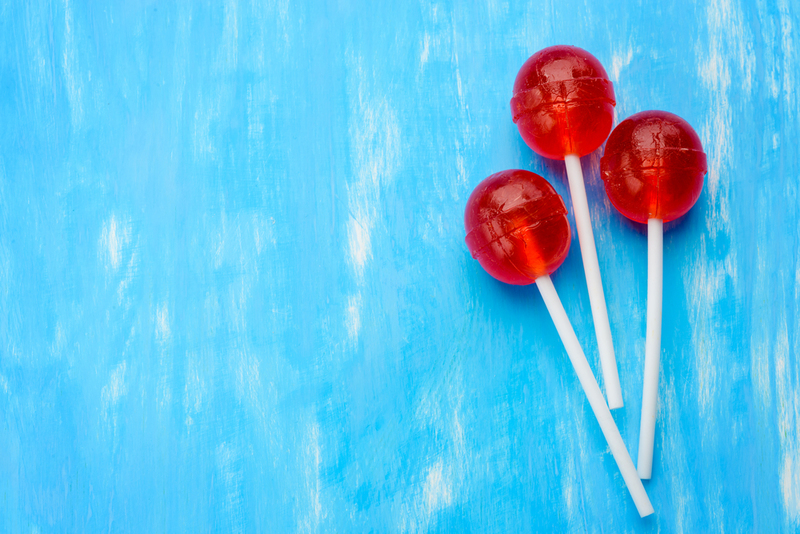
[
  {"x": 517, "y": 226},
  {"x": 563, "y": 102},
  {"x": 653, "y": 166}
]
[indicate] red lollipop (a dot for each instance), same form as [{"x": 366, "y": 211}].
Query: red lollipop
[
  {"x": 563, "y": 105},
  {"x": 517, "y": 227},
  {"x": 563, "y": 102},
  {"x": 518, "y": 231},
  {"x": 653, "y": 170}
]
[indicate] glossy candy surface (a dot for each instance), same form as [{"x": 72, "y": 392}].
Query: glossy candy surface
[
  {"x": 517, "y": 226},
  {"x": 563, "y": 102},
  {"x": 653, "y": 166}
]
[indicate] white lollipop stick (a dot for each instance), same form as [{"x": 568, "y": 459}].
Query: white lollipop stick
[
  {"x": 591, "y": 267},
  {"x": 652, "y": 345},
  {"x": 595, "y": 396}
]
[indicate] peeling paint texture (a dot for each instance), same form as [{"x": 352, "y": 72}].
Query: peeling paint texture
[{"x": 235, "y": 294}]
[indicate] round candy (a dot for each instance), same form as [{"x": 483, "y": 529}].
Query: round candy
[
  {"x": 517, "y": 226},
  {"x": 653, "y": 166},
  {"x": 563, "y": 102}
]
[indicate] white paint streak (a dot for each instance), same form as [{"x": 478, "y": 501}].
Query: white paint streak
[
  {"x": 375, "y": 154},
  {"x": 728, "y": 55},
  {"x": 114, "y": 237},
  {"x": 619, "y": 61},
  {"x": 704, "y": 289},
  {"x": 263, "y": 232},
  {"x": 460, "y": 166},
  {"x": 353, "y": 317},
  {"x": 438, "y": 410},
  {"x": 229, "y": 46},
  {"x": 248, "y": 379},
  {"x": 460, "y": 184},
  {"x": 164, "y": 339},
  {"x": 222, "y": 234},
  {"x": 436, "y": 491},
  {"x": 790, "y": 485},
  {"x": 115, "y": 388},
  {"x": 788, "y": 423},
  {"x": 114, "y": 245},
  {"x": 202, "y": 142},
  {"x": 132, "y": 269},
  {"x": 360, "y": 242},
  {"x": 59, "y": 341},
  {"x": 194, "y": 390},
  {"x": 313, "y": 470},
  {"x": 759, "y": 367},
  {"x": 72, "y": 69},
  {"x": 426, "y": 50},
  {"x": 36, "y": 35},
  {"x": 772, "y": 329},
  {"x": 162, "y": 322},
  {"x": 761, "y": 332},
  {"x": 789, "y": 61},
  {"x": 572, "y": 464}
]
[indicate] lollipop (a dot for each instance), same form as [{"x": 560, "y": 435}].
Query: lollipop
[
  {"x": 653, "y": 170},
  {"x": 563, "y": 106},
  {"x": 518, "y": 231}
]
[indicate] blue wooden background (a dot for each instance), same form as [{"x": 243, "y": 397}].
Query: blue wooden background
[{"x": 235, "y": 294}]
